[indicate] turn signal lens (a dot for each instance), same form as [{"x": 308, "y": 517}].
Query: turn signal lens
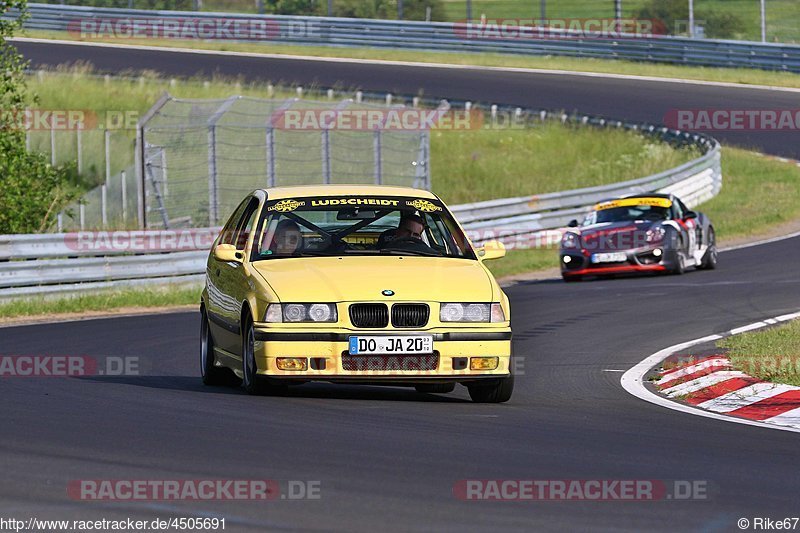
[
  {"x": 292, "y": 363},
  {"x": 483, "y": 363}
]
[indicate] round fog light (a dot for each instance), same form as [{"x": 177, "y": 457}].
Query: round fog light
[
  {"x": 657, "y": 252},
  {"x": 567, "y": 259}
]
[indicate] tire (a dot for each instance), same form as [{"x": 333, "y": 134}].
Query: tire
[
  {"x": 212, "y": 375},
  {"x": 680, "y": 264},
  {"x": 435, "y": 388},
  {"x": 252, "y": 382},
  {"x": 709, "y": 261},
  {"x": 498, "y": 392}
]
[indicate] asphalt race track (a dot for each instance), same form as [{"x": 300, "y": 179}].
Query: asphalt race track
[
  {"x": 633, "y": 100},
  {"x": 388, "y": 458}
]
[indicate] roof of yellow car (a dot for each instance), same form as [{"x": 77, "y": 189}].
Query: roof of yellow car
[{"x": 300, "y": 191}]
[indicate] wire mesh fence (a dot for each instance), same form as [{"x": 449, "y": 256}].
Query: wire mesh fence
[{"x": 200, "y": 157}]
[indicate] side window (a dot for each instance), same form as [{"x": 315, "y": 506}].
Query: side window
[
  {"x": 677, "y": 209},
  {"x": 229, "y": 231},
  {"x": 245, "y": 224}
]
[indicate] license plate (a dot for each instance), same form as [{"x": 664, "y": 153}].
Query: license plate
[
  {"x": 406, "y": 344},
  {"x": 611, "y": 257}
]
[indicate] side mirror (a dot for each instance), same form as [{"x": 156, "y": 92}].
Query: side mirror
[
  {"x": 492, "y": 250},
  {"x": 689, "y": 214},
  {"x": 572, "y": 223},
  {"x": 228, "y": 253}
]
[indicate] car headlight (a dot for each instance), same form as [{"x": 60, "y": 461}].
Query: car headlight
[
  {"x": 570, "y": 240},
  {"x": 655, "y": 234},
  {"x": 471, "y": 312},
  {"x": 301, "y": 313}
]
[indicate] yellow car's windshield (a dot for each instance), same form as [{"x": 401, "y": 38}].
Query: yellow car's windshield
[{"x": 358, "y": 225}]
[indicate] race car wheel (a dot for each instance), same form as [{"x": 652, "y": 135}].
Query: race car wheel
[
  {"x": 253, "y": 383},
  {"x": 498, "y": 392},
  {"x": 709, "y": 261},
  {"x": 212, "y": 374},
  {"x": 435, "y": 388}
]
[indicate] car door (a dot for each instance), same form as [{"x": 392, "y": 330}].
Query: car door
[
  {"x": 235, "y": 275},
  {"x": 222, "y": 304}
]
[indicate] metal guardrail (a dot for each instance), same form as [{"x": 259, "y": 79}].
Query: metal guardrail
[
  {"x": 449, "y": 36},
  {"x": 62, "y": 263}
]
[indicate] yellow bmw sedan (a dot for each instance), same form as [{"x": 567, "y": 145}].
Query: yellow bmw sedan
[{"x": 353, "y": 284}]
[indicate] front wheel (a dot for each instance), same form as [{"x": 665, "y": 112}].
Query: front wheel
[
  {"x": 252, "y": 382},
  {"x": 498, "y": 392},
  {"x": 709, "y": 261}
]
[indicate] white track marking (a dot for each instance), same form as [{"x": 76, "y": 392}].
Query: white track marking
[
  {"x": 745, "y": 396},
  {"x": 789, "y": 418},
  {"x": 688, "y": 370},
  {"x": 633, "y": 382},
  {"x": 703, "y": 382}
]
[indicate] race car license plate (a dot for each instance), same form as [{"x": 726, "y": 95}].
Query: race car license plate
[
  {"x": 406, "y": 344},
  {"x": 609, "y": 257}
]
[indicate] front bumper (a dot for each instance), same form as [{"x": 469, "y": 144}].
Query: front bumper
[
  {"x": 636, "y": 260},
  {"x": 329, "y": 360}
]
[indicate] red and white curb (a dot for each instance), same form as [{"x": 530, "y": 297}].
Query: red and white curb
[{"x": 711, "y": 389}]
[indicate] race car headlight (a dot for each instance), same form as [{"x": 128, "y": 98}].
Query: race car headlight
[
  {"x": 570, "y": 240},
  {"x": 471, "y": 312},
  {"x": 301, "y": 313},
  {"x": 655, "y": 234}
]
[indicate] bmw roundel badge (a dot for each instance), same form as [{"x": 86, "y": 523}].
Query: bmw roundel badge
[{"x": 388, "y": 292}]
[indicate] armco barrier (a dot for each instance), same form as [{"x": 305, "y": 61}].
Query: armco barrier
[
  {"x": 88, "y": 261},
  {"x": 447, "y": 36},
  {"x": 55, "y": 264}
]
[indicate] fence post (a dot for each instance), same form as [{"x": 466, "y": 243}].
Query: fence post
[
  {"x": 79, "y": 138},
  {"x": 377, "y": 149},
  {"x": 107, "y": 143},
  {"x": 326, "y": 156},
  {"x": 141, "y": 145},
  {"x": 52, "y": 144},
  {"x": 213, "y": 184},
  {"x": 270, "y": 156},
  {"x": 104, "y": 205},
  {"x": 60, "y": 222},
  {"x": 422, "y": 179},
  {"x": 124, "y": 185},
  {"x": 165, "y": 190},
  {"x": 82, "y": 211}
]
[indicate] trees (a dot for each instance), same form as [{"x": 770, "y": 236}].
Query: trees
[{"x": 31, "y": 190}]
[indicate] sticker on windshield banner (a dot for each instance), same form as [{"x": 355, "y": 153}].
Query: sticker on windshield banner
[
  {"x": 628, "y": 202},
  {"x": 284, "y": 206},
  {"x": 423, "y": 205}
]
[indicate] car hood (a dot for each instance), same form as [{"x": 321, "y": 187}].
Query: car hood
[
  {"x": 612, "y": 236},
  {"x": 339, "y": 279}
]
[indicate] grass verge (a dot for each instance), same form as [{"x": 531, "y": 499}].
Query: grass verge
[
  {"x": 125, "y": 299},
  {"x": 727, "y": 75},
  {"x": 771, "y": 355}
]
